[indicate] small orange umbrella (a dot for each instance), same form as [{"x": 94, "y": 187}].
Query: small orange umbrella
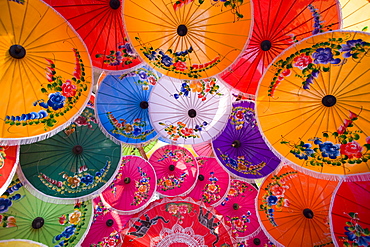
[{"x": 293, "y": 208}]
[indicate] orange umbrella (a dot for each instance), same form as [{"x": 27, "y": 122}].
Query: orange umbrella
[
  {"x": 293, "y": 208},
  {"x": 313, "y": 104},
  {"x": 45, "y": 72},
  {"x": 188, "y": 39}
]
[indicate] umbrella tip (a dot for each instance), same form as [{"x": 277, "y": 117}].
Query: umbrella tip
[
  {"x": 200, "y": 177},
  {"x": 182, "y": 30},
  {"x": 127, "y": 180},
  {"x": 329, "y": 100},
  {"x": 109, "y": 222},
  {"x": 171, "y": 168},
  {"x": 17, "y": 51},
  {"x": 257, "y": 241},
  {"x": 192, "y": 113},
  {"x": 236, "y": 144},
  {"x": 265, "y": 45},
  {"x": 77, "y": 149},
  {"x": 38, "y": 222},
  {"x": 308, "y": 213},
  {"x": 144, "y": 105},
  {"x": 236, "y": 206},
  {"x": 114, "y": 4}
]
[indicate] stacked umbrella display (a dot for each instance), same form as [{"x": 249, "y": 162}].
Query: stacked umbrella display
[{"x": 215, "y": 123}]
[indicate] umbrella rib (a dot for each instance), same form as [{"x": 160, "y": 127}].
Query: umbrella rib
[
  {"x": 11, "y": 21},
  {"x": 189, "y": 40},
  {"x": 194, "y": 28},
  {"x": 343, "y": 92}
]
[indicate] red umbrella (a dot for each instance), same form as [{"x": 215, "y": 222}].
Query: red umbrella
[
  {"x": 277, "y": 25},
  {"x": 8, "y": 165},
  {"x": 100, "y": 25}
]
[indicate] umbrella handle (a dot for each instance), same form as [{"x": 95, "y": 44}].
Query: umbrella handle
[{"x": 142, "y": 152}]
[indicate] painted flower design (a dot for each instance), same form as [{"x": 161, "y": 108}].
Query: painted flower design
[
  {"x": 355, "y": 235},
  {"x": 352, "y": 149},
  {"x": 178, "y": 210},
  {"x": 68, "y": 89},
  {"x": 75, "y": 217},
  {"x": 302, "y": 61},
  {"x": 324, "y": 56}
]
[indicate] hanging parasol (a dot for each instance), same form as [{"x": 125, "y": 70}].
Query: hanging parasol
[
  {"x": 204, "y": 149},
  {"x": 189, "y": 112},
  {"x": 20, "y": 243},
  {"x": 350, "y": 221},
  {"x": 106, "y": 226},
  {"x": 45, "y": 72},
  {"x": 99, "y": 23},
  {"x": 75, "y": 164},
  {"x": 238, "y": 209},
  {"x": 177, "y": 222},
  {"x": 213, "y": 182},
  {"x": 122, "y": 105},
  {"x": 188, "y": 39},
  {"x": 313, "y": 104},
  {"x": 259, "y": 240},
  {"x": 278, "y": 25},
  {"x": 293, "y": 208},
  {"x": 23, "y": 216},
  {"x": 355, "y": 14},
  {"x": 8, "y": 165},
  {"x": 133, "y": 187},
  {"x": 176, "y": 169},
  {"x": 240, "y": 147}
]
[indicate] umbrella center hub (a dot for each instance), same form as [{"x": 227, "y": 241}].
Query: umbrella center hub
[
  {"x": 329, "y": 100},
  {"x": 144, "y": 105},
  {"x": 201, "y": 177},
  {"x": 38, "y": 222},
  {"x": 127, "y": 180},
  {"x": 308, "y": 213},
  {"x": 265, "y": 45},
  {"x": 236, "y": 144},
  {"x": 236, "y": 206},
  {"x": 114, "y": 4},
  {"x": 182, "y": 30},
  {"x": 257, "y": 241},
  {"x": 77, "y": 149},
  {"x": 171, "y": 168},
  {"x": 192, "y": 113},
  {"x": 109, "y": 222},
  {"x": 17, "y": 51}
]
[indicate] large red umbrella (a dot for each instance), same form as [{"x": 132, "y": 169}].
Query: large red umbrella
[{"x": 99, "y": 23}]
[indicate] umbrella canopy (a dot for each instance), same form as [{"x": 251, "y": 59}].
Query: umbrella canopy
[
  {"x": 20, "y": 243},
  {"x": 8, "y": 165},
  {"x": 75, "y": 164},
  {"x": 24, "y": 216},
  {"x": 177, "y": 222},
  {"x": 204, "y": 149},
  {"x": 238, "y": 209},
  {"x": 132, "y": 150},
  {"x": 133, "y": 187},
  {"x": 313, "y": 104},
  {"x": 277, "y": 25},
  {"x": 176, "y": 169},
  {"x": 45, "y": 72},
  {"x": 355, "y": 14},
  {"x": 259, "y": 239},
  {"x": 99, "y": 23},
  {"x": 213, "y": 182},
  {"x": 293, "y": 208},
  {"x": 106, "y": 226},
  {"x": 189, "y": 112},
  {"x": 350, "y": 221},
  {"x": 188, "y": 39},
  {"x": 122, "y": 105},
  {"x": 240, "y": 147}
]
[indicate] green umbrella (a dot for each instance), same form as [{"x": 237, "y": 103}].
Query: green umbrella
[
  {"x": 77, "y": 163},
  {"x": 135, "y": 150},
  {"x": 23, "y": 216}
]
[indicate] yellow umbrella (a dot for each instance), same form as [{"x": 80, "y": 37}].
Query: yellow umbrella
[
  {"x": 45, "y": 72},
  {"x": 20, "y": 243},
  {"x": 188, "y": 38},
  {"x": 313, "y": 103}
]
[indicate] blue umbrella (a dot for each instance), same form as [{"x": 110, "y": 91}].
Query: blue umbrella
[{"x": 122, "y": 105}]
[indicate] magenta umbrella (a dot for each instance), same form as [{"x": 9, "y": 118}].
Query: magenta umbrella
[
  {"x": 213, "y": 182},
  {"x": 239, "y": 210},
  {"x": 176, "y": 169},
  {"x": 106, "y": 226},
  {"x": 133, "y": 187}
]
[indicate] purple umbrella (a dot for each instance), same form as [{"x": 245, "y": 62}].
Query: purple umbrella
[{"x": 241, "y": 148}]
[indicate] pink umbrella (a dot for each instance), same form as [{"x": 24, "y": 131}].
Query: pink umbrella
[
  {"x": 106, "y": 226},
  {"x": 213, "y": 182},
  {"x": 133, "y": 187},
  {"x": 239, "y": 210},
  {"x": 204, "y": 149},
  {"x": 258, "y": 240},
  {"x": 176, "y": 169}
]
